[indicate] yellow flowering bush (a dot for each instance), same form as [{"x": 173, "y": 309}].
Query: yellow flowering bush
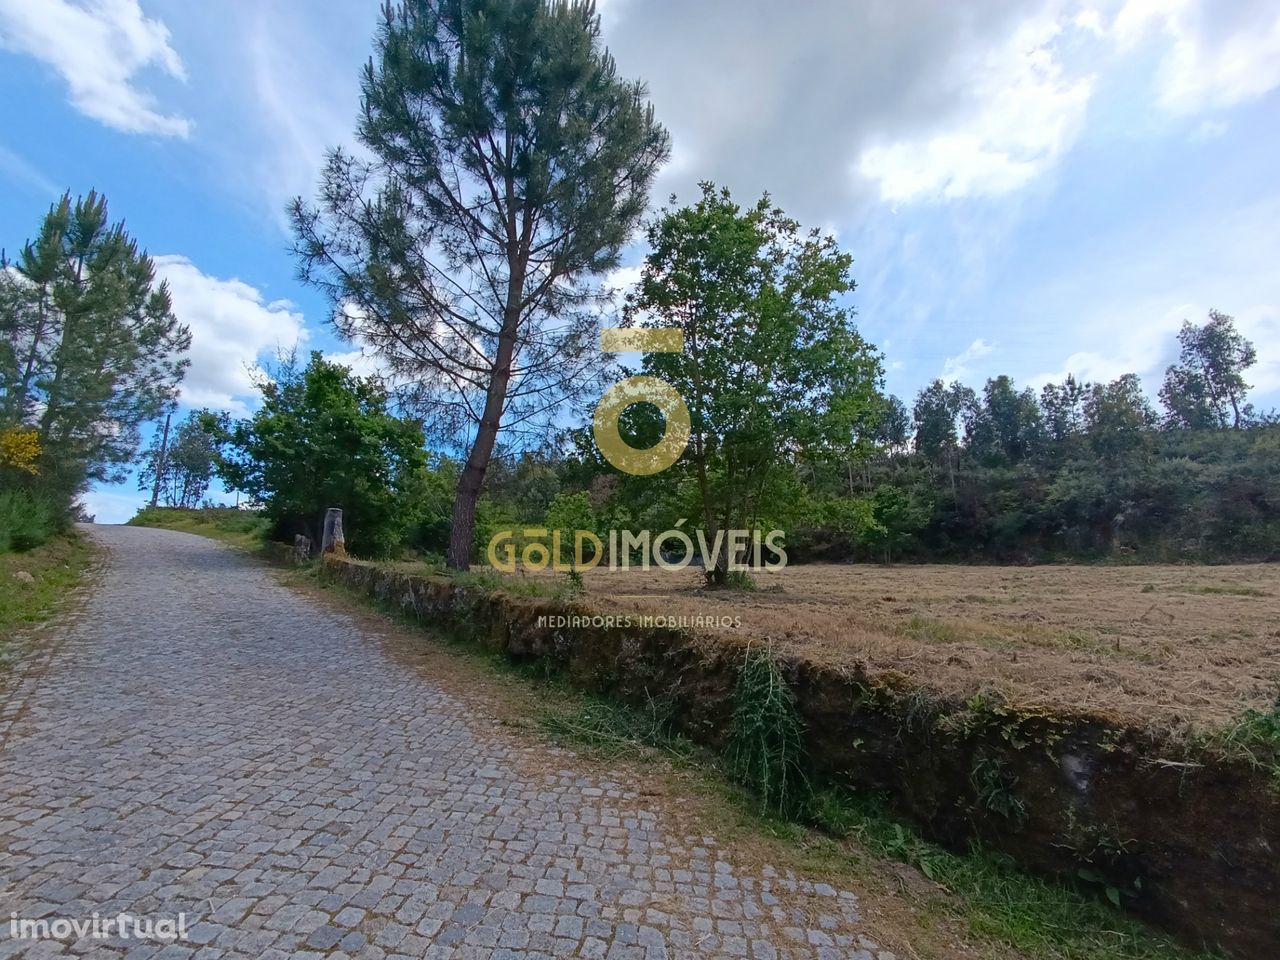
[{"x": 20, "y": 449}]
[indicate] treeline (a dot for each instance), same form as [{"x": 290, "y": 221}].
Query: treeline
[
  {"x": 1079, "y": 471},
  {"x": 1088, "y": 470},
  {"x": 1107, "y": 489}
]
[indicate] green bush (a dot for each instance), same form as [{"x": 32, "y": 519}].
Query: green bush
[{"x": 26, "y": 520}]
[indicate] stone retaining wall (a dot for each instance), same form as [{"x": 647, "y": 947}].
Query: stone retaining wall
[{"x": 1192, "y": 847}]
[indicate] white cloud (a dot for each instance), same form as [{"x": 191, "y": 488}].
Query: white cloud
[
  {"x": 1219, "y": 55},
  {"x": 98, "y": 47},
  {"x": 302, "y": 105},
  {"x": 231, "y": 326},
  {"x": 360, "y": 361},
  {"x": 1021, "y": 114},
  {"x": 960, "y": 367}
]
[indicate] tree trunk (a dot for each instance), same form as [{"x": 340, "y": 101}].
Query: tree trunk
[
  {"x": 471, "y": 480},
  {"x": 161, "y": 463},
  {"x": 462, "y": 531}
]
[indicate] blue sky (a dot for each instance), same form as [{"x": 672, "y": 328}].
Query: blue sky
[{"x": 1028, "y": 187}]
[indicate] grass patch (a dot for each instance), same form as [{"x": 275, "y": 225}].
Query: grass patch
[
  {"x": 766, "y": 738},
  {"x": 240, "y": 528},
  {"x": 946, "y": 632},
  {"x": 563, "y": 587},
  {"x": 1225, "y": 591},
  {"x": 55, "y": 567},
  {"x": 614, "y": 730},
  {"x": 1253, "y": 737},
  {"x": 492, "y": 581}
]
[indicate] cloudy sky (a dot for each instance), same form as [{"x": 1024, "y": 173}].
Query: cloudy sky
[{"x": 1028, "y": 187}]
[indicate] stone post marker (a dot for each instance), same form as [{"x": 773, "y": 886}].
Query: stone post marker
[{"x": 333, "y": 541}]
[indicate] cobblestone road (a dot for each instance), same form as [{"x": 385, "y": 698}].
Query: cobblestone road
[{"x": 201, "y": 740}]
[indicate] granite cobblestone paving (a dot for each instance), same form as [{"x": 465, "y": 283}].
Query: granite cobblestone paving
[{"x": 201, "y": 740}]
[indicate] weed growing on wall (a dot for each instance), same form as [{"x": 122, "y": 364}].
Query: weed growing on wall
[{"x": 766, "y": 742}]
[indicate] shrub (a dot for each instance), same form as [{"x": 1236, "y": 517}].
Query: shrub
[{"x": 26, "y": 520}]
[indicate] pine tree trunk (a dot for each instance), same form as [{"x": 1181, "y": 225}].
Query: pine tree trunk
[
  {"x": 470, "y": 482},
  {"x": 161, "y": 464}
]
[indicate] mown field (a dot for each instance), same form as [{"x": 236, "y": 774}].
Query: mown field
[{"x": 1169, "y": 644}]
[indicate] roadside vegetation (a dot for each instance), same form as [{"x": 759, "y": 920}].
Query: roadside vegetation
[
  {"x": 90, "y": 351},
  {"x": 36, "y": 581},
  {"x": 240, "y": 528},
  {"x": 844, "y": 834},
  {"x": 42, "y": 558}
]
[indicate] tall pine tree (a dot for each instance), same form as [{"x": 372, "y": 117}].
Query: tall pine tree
[
  {"x": 506, "y": 166},
  {"x": 89, "y": 346}
]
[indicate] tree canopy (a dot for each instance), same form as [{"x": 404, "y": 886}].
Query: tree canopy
[
  {"x": 772, "y": 365},
  {"x": 180, "y": 462},
  {"x": 324, "y": 438},
  {"x": 90, "y": 348},
  {"x": 1206, "y": 387}
]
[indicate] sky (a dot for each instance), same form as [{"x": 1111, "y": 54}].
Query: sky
[{"x": 1027, "y": 187}]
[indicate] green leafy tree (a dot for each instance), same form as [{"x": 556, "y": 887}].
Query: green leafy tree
[
  {"x": 91, "y": 348},
  {"x": 936, "y": 412},
  {"x": 1206, "y": 387},
  {"x": 894, "y": 429},
  {"x": 896, "y": 518},
  {"x": 773, "y": 371},
  {"x": 428, "y": 528},
  {"x": 505, "y": 166},
  {"x": 567, "y": 514},
  {"x": 323, "y": 438},
  {"x": 1062, "y": 405},
  {"x": 179, "y": 466},
  {"x": 1005, "y": 425},
  {"x": 1119, "y": 419}
]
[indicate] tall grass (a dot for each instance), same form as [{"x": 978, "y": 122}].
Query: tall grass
[
  {"x": 26, "y": 520},
  {"x": 766, "y": 742}
]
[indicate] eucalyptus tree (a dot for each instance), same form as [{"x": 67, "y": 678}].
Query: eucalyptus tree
[{"x": 504, "y": 165}]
